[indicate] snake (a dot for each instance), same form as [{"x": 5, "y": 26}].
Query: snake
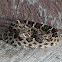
[{"x": 31, "y": 34}]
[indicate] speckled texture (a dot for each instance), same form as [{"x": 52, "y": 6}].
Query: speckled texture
[
  {"x": 30, "y": 34},
  {"x": 43, "y": 11}
]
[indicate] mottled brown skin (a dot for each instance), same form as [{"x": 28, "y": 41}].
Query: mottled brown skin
[{"x": 31, "y": 34}]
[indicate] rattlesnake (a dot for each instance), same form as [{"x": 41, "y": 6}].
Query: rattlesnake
[{"x": 31, "y": 34}]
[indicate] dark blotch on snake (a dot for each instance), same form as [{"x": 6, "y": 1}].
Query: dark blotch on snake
[
  {"x": 51, "y": 44},
  {"x": 20, "y": 38},
  {"x": 54, "y": 30},
  {"x": 12, "y": 42},
  {"x": 29, "y": 39},
  {"x": 34, "y": 33},
  {"x": 15, "y": 35},
  {"x": 30, "y": 44},
  {"x": 54, "y": 35},
  {"x": 46, "y": 27},
  {"x": 38, "y": 40},
  {"x": 30, "y": 23},
  {"x": 38, "y": 25},
  {"x": 19, "y": 43}
]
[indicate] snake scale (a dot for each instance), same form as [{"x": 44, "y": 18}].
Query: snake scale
[{"x": 31, "y": 34}]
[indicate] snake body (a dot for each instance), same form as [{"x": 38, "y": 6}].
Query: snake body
[{"x": 31, "y": 34}]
